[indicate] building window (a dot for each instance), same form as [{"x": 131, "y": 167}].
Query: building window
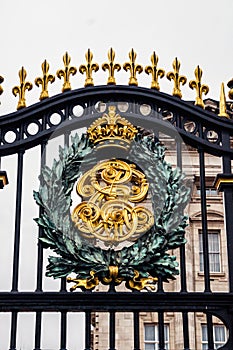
[
  {"x": 152, "y": 336},
  {"x": 214, "y": 251},
  {"x": 210, "y": 191},
  {"x": 219, "y": 334}
]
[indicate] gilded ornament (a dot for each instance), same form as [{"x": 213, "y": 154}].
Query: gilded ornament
[
  {"x": 1, "y": 81},
  {"x": 155, "y": 72},
  {"x": 108, "y": 214},
  {"x": 44, "y": 80},
  {"x": 200, "y": 89},
  {"x": 111, "y": 126},
  {"x": 222, "y": 103},
  {"x": 88, "y": 283},
  {"x": 133, "y": 68},
  {"x": 21, "y": 89},
  {"x": 66, "y": 72},
  {"x": 111, "y": 67},
  {"x": 140, "y": 283},
  {"x": 178, "y": 79},
  {"x": 89, "y": 68}
]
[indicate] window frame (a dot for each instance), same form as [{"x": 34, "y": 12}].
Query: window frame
[
  {"x": 212, "y": 253},
  {"x": 155, "y": 342}
]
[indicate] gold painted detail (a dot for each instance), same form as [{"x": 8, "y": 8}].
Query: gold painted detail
[
  {"x": 66, "y": 72},
  {"x": 113, "y": 276},
  {"x": 88, "y": 283},
  {"x": 200, "y": 89},
  {"x": 221, "y": 181},
  {"x": 44, "y": 80},
  {"x": 133, "y": 68},
  {"x": 1, "y": 81},
  {"x": 155, "y": 72},
  {"x": 177, "y": 78},
  {"x": 108, "y": 212},
  {"x": 111, "y": 67},
  {"x": 111, "y": 126},
  {"x": 222, "y": 103},
  {"x": 21, "y": 89},
  {"x": 140, "y": 283},
  {"x": 88, "y": 68},
  {"x": 3, "y": 179}
]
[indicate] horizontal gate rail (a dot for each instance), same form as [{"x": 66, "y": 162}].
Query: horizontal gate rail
[
  {"x": 63, "y": 104},
  {"x": 120, "y": 301}
]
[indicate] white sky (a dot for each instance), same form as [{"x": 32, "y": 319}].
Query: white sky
[{"x": 197, "y": 32}]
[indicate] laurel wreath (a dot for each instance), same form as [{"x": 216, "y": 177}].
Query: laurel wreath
[{"x": 149, "y": 254}]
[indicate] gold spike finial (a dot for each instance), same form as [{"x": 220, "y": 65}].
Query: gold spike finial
[
  {"x": 44, "y": 80},
  {"x": 88, "y": 68},
  {"x": 66, "y": 72},
  {"x": 133, "y": 68},
  {"x": 111, "y": 67},
  {"x": 178, "y": 79},
  {"x": 200, "y": 89},
  {"x": 154, "y": 71},
  {"x": 222, "y": 103},
  {"x": 21, "y": 89}
]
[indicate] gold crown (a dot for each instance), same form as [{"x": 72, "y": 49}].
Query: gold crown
[{"x": 111, "y": 126}]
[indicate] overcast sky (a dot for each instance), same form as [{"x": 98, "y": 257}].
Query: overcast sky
[{"x": 197, "y": 32}]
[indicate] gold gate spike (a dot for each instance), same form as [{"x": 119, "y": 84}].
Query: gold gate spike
[
  {"x": 178, "y": 79},
  {"x": 222, "y": 103},
  {"x": 21, "y": 89},
  {"x": 156, "y": 73},
  {"x": 1, "y": 81},
  {"x": 133, "y": 68},
  {"x": 66, "y": 72},
  {"x": 200, "y": 89},
  {"x": 111, "y": 67},
  {"x": 88, "y": 68},
  {"x": 44, "y": 81}
]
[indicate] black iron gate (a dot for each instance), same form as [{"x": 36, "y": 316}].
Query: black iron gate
[{"x": 38, "y": 126}]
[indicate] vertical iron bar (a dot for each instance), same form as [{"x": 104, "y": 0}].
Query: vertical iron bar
[
  {"x": 183, "y": 262},
  {"x": 210, "y": 332},
  {"x": 40, "y": 260},
  {"x": 38, "y": 331},
  {"x": 112, "y": 330},
  {"x": 228, "y": 204},
  {"x": 185, "y": 330},
  {"x": 204, "y": 221},
  {"x": 161, "y": 331},
  {"x": 17, "y": 222},
  {"x": 63, "y": 329},
  {"x": 182, "y": 248},
  {"x": 88, "y": 330},
  {"x": 14, "y": 316},
  {"x": 136, "y": 331}
]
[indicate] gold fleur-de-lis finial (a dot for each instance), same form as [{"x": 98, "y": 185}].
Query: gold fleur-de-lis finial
[
  {"x": 44, "y": 80},
  {"x": 154, "y": 71},
  {"x": 200, "y": 89},
  {"x": 133, "y": 68},
  {"x": 66, "y": 72},
  {"x": 21, "y": 89},
  {"x": 1, "y": 81},
  {"x": 111, "y": 66},
  {"x": 88, "y": 68},
  {"x": 222, "y": 103},
  {"x": 178, "y": 79}
]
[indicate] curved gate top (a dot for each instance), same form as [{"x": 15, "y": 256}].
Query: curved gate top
[{"x": 135, "y": 211}]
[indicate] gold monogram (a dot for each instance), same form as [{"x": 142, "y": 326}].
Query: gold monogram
[{"x": 109, "y": 212}]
